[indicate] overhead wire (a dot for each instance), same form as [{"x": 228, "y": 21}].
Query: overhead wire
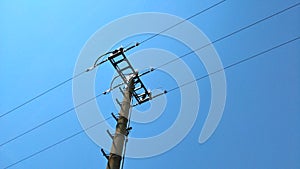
[
  {"x": 188, "y": 18},
  {"x": 41, "y": 94},
  {"x": 169, "y": 62},
  {"x": 232, "y": 33},
  {"x": 64, "y": 82},
  {"x": 236, "y": 63},
  {"x": 219, "y": 39},
  {"x": 48, "y": 121},
  {"x": 57, "y": 143},
  {"x": 171, "y": 90}
]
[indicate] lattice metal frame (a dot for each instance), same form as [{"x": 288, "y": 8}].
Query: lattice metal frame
[{"x": 125, "y": 69}]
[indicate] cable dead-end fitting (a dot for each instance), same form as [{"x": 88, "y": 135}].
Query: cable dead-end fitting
[{"x": 90, "y": 68}]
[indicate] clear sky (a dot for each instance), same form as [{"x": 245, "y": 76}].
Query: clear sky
[{"x": 40, "y": 43}]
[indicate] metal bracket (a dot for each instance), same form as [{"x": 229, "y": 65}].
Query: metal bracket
[
  {"x": 112, "y": 114},
  {"x": 121, "y": 91},
  {"x": 128, "y": 130},
  {"x": 119, "y": 103},
  {"x": 104, "y": 154},
  {"x": 110, "y": 135}
]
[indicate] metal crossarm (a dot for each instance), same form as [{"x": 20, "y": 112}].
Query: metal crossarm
[{"x": 124, "y": 68}]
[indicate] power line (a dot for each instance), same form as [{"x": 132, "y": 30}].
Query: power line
[
  {"x": 198, "y": 13},
  {"x": 39, "y": 95},
  {"x": 188, "y": 18},
  {"x": 48, "y": 121},
  {"x": 57, "y": 143},
  {"x": 236, "y": 63},
  {"x": 232, "y": 33},
  {"x": 217, "y": 40},
  {"x": 62, "y": 83},
  {"x": 182, "y": 85}
]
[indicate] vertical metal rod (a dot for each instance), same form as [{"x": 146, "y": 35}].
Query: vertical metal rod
[{"x": 115, "y": 156}]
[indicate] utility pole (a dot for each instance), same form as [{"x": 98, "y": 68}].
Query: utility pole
[
  {"x": 119, "y": 139},
  {"x": 134, "y": 88}
]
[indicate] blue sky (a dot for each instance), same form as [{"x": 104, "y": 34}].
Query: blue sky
[{"x": 39, "y": 45}]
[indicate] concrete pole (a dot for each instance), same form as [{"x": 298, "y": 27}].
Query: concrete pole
[{"x": 115, "y": 156}]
